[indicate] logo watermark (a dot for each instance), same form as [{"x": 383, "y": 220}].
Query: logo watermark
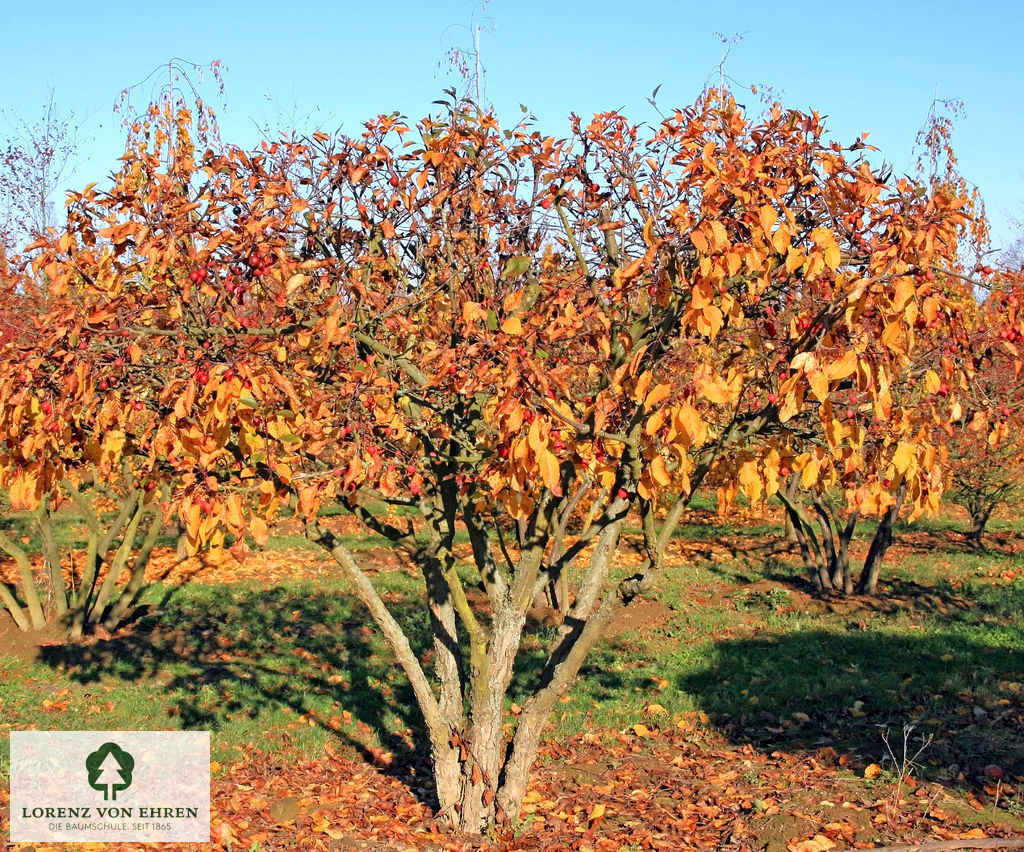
[{"x": 110, "y": 786}]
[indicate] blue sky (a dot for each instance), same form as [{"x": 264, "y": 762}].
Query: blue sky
[{"x": 870, "y": 66}]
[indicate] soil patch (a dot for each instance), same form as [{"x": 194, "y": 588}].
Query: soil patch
[
  {"x": 24, "y": 645},
  {"x": 641, "y": 614}
]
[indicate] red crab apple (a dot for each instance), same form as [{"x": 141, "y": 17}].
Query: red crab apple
[{"x": 993, "y": 772}]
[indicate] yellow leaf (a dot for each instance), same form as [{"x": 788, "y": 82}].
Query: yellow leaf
[
  {"x": 733, "y": 262},
  {"x": 904, "y": 292},
  {"x": 750, "y": 480},
  {"x": 649, "y": 231},
  {"x": 259, "y": 530},
  {"x": 893, "y": 337},
  {"x": 597, "y": 812},
  {"x": 845, "y": 366},
  {"x": 644, "y": 382},
  {"x": 712, "y": 321},
  {"x": 903, "y": 456},
  {"x": 931, "y": 381},
  {"x": 657, "y": 709},
  {"x": 654, "y": 424},
  {"x": 549, "y": 471},
  {"x": 296, "y": 281},
  {"x": 780, "y": 240},
  {"x": 657, "y": 394},
  {"x": 719, "y": 238},
  {"x": 714, "y": 390},
  {"x": 768, "y": 218},
  {"x": 632, "y": 270},
  {"x": 826, "y": 241},
  {"x": 642, "y": 731},
  {"x": 791, "y": 403},
  {"x": 833, "y": 257},
  {"x": 819, "y": 385},
  {"x": 809, "y": 475},
  {"x": 689, "y": 424},
  {"x": 642, "y": 488},
  {"x": 659, "y": 473},
  {"x": 818, "y": 843},
  {"x": 512, "y": 326},
  {"x": 537, "y": 437}
]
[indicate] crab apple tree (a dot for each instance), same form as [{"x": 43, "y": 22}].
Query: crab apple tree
[
  {"x": 499, "y": 334},
  {"x": 73, "y": 432},
  {"x": 985, "y": 438},
  {"x": 872, "y": 451}
]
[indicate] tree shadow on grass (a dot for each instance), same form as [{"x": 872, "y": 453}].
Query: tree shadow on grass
[
  {"x": 850, "y": 691},
  {"x": 230, "y": 655}
]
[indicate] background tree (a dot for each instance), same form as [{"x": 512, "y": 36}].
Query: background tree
[
  {"x": 891, "y": 451},
  {"x": 985, "y": 439},
  {"x": 36, "y": 158},
  {"x": 80, "y": 453}
]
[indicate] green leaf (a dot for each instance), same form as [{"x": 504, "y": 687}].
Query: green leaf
[
  {"x": 248, "y": 400},
  {"x": 290, "y": 438},
  {"x": 516, "y": 266},
  {"x": 531, "y": 293}
]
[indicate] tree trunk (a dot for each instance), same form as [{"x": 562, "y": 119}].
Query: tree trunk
[
  {"x": 137, "y": 581},
  {"x": 83, "y": 596},
  {"x": 51, "y": 556},
  {"x": 810, "y": 547},
  {"x": 10, "y": 602},
  {"x": 118, "y": 563},
  {"x": 477, "y": 770},
  {"x": 445, "y": 744},
  {"x": 980, "y": 511},
  {"x": 577, "y": 635},
  {"x": 867, "y": 584},
  {"x": 28, "y": 585},
  {"x": 844, "y": 553},
  {"x": 837, "y": 538}
]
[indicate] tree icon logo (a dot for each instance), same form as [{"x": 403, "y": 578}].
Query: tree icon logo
[{"x": 110, "y": 769}]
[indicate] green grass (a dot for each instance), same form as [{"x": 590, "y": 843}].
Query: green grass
[
  {"x": 244, "y": 661},
  {"x": 295, "y": 666}
]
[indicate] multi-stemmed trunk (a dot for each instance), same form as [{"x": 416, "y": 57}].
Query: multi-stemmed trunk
[
  {"x": 980, "y": 509},
  {"x": 867, "y": 584},
  {"x": 825, "y": 546},
  {"x": 85, "y": 602},
  {"x": 479, "y": 770},
  {"x": 825, "y": 550}
]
